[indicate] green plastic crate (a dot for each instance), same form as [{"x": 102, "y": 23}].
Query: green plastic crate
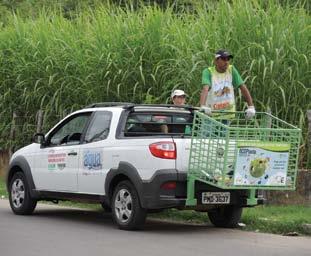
[{"x": 259, "y": 153}]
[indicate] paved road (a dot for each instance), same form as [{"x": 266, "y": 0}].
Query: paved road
[{"x": 53, "y": 230}]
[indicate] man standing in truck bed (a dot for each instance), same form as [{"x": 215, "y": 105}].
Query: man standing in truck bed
[{"x": 219, "y": 83}]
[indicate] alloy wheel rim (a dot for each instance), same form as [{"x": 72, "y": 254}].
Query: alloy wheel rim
[
  {"x": 123, "y": 205},
  {"x": 18, "y": 193}
]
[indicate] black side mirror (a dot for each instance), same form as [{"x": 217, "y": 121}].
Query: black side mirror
[{"x": 39, "y": 138}]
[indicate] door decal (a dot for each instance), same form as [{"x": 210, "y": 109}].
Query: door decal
[
  {"x": 92, "y": 160},
  {"x": 56, "y": 161}
]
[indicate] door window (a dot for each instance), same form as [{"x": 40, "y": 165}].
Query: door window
[
  {"x": 99, "y": 127},
  {"x": 70, "y": 132}
]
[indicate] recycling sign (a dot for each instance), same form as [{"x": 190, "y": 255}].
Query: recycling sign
[{"x": 261, "y": 163}]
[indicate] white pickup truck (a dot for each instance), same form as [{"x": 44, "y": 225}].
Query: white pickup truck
[{"x": 132, "y": 159}]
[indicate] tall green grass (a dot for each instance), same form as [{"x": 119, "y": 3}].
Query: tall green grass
[{"x": 114, "y": 54}]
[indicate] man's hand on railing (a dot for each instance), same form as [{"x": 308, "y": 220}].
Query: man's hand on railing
[{"x": 206, "y": 110}]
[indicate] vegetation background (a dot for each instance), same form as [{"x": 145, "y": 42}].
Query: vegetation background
[{"x": 60, "y": 55}]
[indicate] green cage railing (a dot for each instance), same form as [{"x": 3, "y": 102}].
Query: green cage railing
[{"x": 239, "y": 153}]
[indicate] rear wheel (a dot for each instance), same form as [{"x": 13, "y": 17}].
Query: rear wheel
[
  {"x": 21, "y": 201},
  {"x": 226, "y": 216},
  {"x": 126, "y": 209}
]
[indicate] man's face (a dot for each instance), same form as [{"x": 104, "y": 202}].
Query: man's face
[
  {"x": 179, "y": 100},
  {"x": 222, "y": 63}
]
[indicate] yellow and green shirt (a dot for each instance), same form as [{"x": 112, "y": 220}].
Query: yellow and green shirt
[{"x": 221, "y": 87}]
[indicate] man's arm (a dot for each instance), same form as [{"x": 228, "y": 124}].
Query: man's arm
[
  {"x": 250, "y": 111},
  {"x": 203, "y": 95},
  {"x": 246, "y": 94}
]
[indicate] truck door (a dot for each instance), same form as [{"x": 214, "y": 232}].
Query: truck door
[
  {"x": 96, "y": 157},
  {"x": 56, "y": 164}
]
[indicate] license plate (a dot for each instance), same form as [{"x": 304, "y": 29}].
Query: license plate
[{"x": 215, "y": 197}]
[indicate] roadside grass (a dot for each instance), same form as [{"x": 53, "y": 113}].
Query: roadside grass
[
  {"x": 278, "y": 219},
  {"x": 74, "y": 204},
  {"x": 3, "y": 192},
  {"x": 281, "y": 219}
]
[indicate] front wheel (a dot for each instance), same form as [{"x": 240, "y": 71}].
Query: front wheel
[
  {"x": 106, "y": 207},
  {"x": 21, "y": 201},
  {"x": 126, "y": 209},
  {"x": 226, "y": 216}
]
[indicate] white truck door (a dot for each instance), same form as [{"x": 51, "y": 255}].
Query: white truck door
[
  {"x": 96, "y": 158},
  {"x": 56, "y": 169},
  {"x": 56, "y": 164}
]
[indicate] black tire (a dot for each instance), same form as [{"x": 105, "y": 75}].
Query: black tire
[
  {"x": 106, "y": 207},
  {"x": 126, "y": 209},
  {"x": 21, "y": 201},
  {"x": 226, "y": 216}
]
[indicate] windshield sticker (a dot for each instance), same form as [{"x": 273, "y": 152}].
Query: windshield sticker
[
  {"x": 56, "y": 161},
  {"x": 92, "y": 160}
]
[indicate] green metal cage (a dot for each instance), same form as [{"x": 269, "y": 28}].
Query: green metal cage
[{"x": 239, "y": 153}]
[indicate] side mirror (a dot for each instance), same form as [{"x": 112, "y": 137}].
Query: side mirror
[{"x": 39, "y": 138}]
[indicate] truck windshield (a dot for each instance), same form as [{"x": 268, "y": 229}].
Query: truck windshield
[{"x": 149, "y": 124}]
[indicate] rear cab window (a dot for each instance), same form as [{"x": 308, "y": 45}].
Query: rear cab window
[{"x": 158, "y": 123}]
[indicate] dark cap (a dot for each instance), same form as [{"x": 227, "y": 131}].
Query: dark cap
[{"x": 223, "y": 54}]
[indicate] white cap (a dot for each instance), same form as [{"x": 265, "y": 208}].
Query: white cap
[{"x": 178, "y": 93}]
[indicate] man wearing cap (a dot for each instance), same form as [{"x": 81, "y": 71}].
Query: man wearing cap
[
  {"x": 219, "y": 83},
  {"x": 178, "y": 97}
]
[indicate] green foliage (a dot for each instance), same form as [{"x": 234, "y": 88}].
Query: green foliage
[
  {"x": 268, "y": 219},
  {"x": 58, "y": 62},
  {"x": 3, "y": 192},
  {"x": 277, "y": 219}
]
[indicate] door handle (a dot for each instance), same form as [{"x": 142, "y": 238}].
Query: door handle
[{"x": 72, "y": 154}]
